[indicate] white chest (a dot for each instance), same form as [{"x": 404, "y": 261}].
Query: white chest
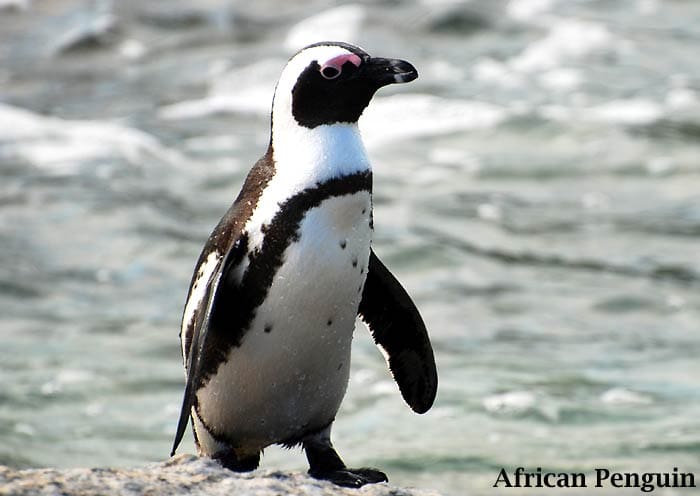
[
  {"x": 303, "y": 159},
  {"x": 291, "y": 369}
]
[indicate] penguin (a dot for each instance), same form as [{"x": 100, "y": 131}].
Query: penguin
[{"x": 269, "y": 319}]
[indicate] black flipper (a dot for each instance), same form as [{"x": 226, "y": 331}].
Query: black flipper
[
  {"x": 194, "y": 359},
  {"x": 397, "y": 328}
]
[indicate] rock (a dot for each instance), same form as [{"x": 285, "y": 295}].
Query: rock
[{"x": 181, "y": 475}]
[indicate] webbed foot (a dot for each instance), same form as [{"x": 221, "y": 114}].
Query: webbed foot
[
  {"x": 325, "y": 464},
  {"x": 351, "y": 477}
]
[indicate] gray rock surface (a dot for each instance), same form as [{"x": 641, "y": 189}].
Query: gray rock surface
[{"x": 181, "y": 475}]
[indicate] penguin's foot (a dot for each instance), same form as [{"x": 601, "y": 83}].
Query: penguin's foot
[
  {"x": 325, "y": 464},
  {"x": 230, "y": 460},
  {"x": 351, "y": 477}
]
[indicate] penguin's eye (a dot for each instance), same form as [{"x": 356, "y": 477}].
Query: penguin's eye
[
  {"x": 330, "y": 72},
  {"x": 333, "y": 68}
]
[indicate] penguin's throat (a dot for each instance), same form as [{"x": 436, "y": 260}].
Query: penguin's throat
[{"x": 308, "y": 156}]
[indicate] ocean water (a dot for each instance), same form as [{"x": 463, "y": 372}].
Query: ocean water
[{"x": 537, "y": 191}]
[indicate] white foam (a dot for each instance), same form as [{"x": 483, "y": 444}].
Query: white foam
[
  {"x": 443, "y": 71},
  {"x": 634, "y": 111},
  {"x": 94, "y": 409},
  {"x": 217, "y": 143},
  {"x": 622, "y": 396},
  {"x": 66, "y": 377},
  {"x": 467, "y": 161},
  {"x": 561, "y": 79},
  {"x": 490, "y": 70},
  {"x": 510, "y": 402},
  {"x": 383, "y": 388},
  {"x": 557, "y": 79},
  {"x": 595, "y": 200},
  {"x": 245, "y": 90},
  {"x": 363, "y": 377},
  {"x": 549, "y": 59},
  {"x": 648, "y": 7},
  {"x": 680, "y": 98},
  {"x": 437, "y": 3},
  {"x": 489, "y": 211},
  {"x": 567, "y": 39},
  {"x": 525, "y": 10},
  {"x": 132, "y": 49},
  {"x": 339, "y": 23},
  {"x": 660, "y": 166},
  {"x": 412, "y": 115},
  {"x": 243, "y": 102},
  {"x": 25, "y": 429},
  {"x": 62, "y": 145},
  {"x": 17, "y": 5}
]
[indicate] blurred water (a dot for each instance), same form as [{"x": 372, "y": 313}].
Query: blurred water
[{"x": 537, "y": 190}]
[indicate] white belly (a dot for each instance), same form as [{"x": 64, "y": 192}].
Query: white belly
[{"x": 290, "y": 373}]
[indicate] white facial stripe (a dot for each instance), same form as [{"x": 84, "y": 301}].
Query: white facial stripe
[{"x": 297, "y": 64}]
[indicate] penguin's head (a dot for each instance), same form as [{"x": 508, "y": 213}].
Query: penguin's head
[{"x": 333, "y": 82}]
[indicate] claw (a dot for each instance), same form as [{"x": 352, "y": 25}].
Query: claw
[
  {"x": 370, "y": 475},
  {"x": 351, "y": 477}
]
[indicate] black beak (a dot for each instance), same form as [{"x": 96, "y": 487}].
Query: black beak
[{"x": 389, "y": 71}]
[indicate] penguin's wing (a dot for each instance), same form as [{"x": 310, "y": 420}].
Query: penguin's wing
[
  {"x": 398, "y": 329},
  {"x": 197, "y": 344},
  {"x": 229, "y": 242}
]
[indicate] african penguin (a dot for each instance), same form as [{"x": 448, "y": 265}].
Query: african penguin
[{"x": 269, "y": 318}]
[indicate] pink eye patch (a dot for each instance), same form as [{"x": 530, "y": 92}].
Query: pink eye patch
[{"x": 332, "y": 68}]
